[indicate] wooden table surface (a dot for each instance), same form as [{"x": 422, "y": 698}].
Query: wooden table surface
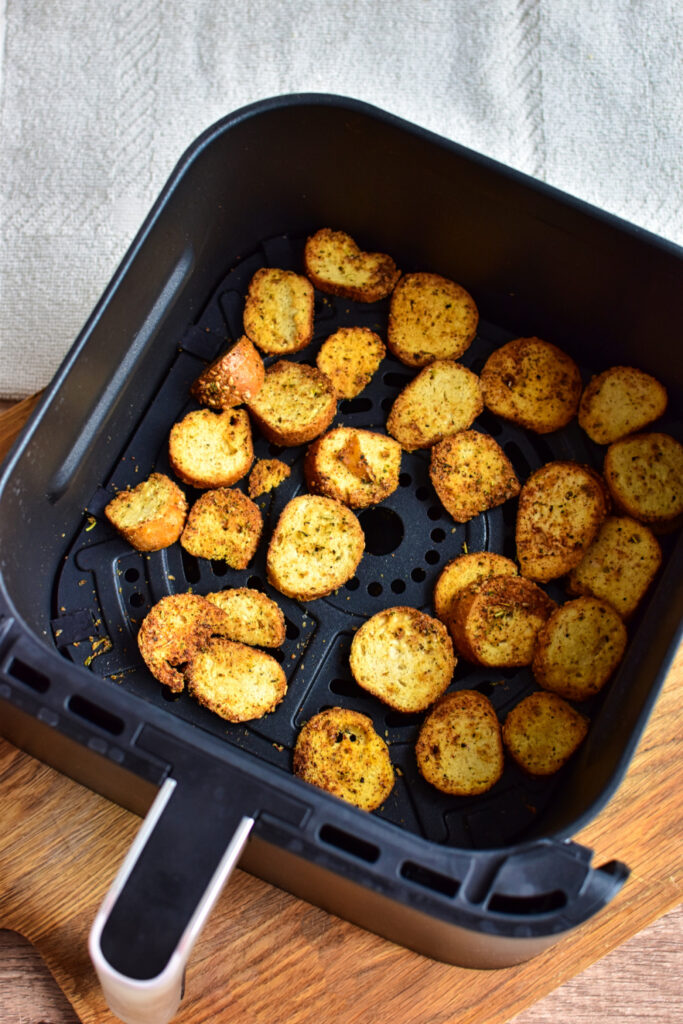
[{"x": 268, "y": 957}]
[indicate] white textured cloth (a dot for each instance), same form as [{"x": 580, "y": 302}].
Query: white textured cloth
[{"x": 99, "y": 98}]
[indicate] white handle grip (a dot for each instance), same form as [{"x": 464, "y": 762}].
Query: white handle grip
[{"x": 156, "y": 1000}]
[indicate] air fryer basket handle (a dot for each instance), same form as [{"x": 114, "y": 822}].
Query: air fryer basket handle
[{"x": 165, "y": 890}]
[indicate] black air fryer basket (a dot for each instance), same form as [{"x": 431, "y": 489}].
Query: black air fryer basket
[{"x": 485, "y": 881}]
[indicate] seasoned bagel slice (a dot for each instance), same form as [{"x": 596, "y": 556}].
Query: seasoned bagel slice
[
  {"x": 471, "y": 473},
  {"x": 173, "y": 631},
  {"x": 619, "y": 566},
  {"x": 296, "y": 403},
  {"x": 620, "y": 401},
  {"x": 532, "y": 383},
  {"x": 225, "y": 525},
  {"x": 338, "y": 750},
  {"x": 561, "y": 507},
  {"x": 403, "y": 657},
  {"x": 232, "y": 378},
  {"x": 211, "y": 449},
  {"x": 444, "y": 398},
  {"x": 358, "y": 467},
  {"x": 266, "y": 475},
  {"x": 431, "y": 317},
  {"x": 495, "y": 621},
  {"x": 150, "y": 516},
  {"x": 350, "y": 357},
  {"x": 459, "y": 749},
  {"x": 578, "y": 648},
  {"x": 644, "y": 473},
  {"x": 542, "y": 732},
  {"x": 460, "y": 572},
  {"x": 278, "y": 311},
  {"x": 255, "y": 619},
  {"x": 335, "y": 264},
  {"x": 316, "y": 547},
  {"x": 237, "y": 682}
]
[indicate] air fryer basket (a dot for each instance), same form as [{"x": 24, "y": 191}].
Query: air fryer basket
[
  {"x": 480, "y": 881},
  {"x": 105, "y": 587}
]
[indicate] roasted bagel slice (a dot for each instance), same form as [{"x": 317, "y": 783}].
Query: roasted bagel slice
[
  {"x": 532, "y": 383},
  {"x": 337, "y": 265},
  {"x": 495, "y": 621},
  {"x": 459, "y": 749},
  {"x": 236, "y": 682},
  {"x": 561, "y": 508},
  {"x": 357, "y": 467},
  {"x": 338, "y": 750},
  {"x": 542, "y": 732},
  {"x": 578, "y": 648},
  {"x": 403, "y": 657},
  {"x": 430, "y": 317},
  {"x": 316, "y": 547}
]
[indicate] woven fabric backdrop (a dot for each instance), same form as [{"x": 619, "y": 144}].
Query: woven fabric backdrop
[{"x": 98, "y": 99}]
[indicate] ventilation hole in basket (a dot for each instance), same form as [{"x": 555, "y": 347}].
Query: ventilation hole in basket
[
  {"x": 518, "y": 459},
  {"x": 190, "y": 566},
  {"x": 405, "y": 480},
  {"x": 28, "y": 675},
  {"x": 136, "y": 600},
  {"x": 95, "y": 714},
  {"x": 353, "y": 583},
  {"x": 544, "y": 903},
  {"x": 485, "y": 689},
  {"x": 351, "y": 405},
  {"x": 169, "y": 695},
  {"x": 383, "y": 530},
  {"x": 422, "y": 493},
  {"x": 418, "y": 575},
  {"x": 509, "y": 546},
  {"x": 432, "y": 557},
  {"x": 291, "y": 630},
  {"x": 274, "y": 450},
  {"x": 375, "y": 589},
  {"x": 435, "y": 513},
  {"x": 429, "y": 879},
  {"x": 490, "y": 423},
  {"x": 278, "y": 655},
  {"x": 438, "y": 535},
  {"x": 349, "y": 843},
  {"x": 398, "y": 586},
  {"x": 256, "y": 583},
  {"x": 396, "y": 719},
  {"x": 509, "y": 513},
  {"x": 131, "y": 575},
  {"x": 396, "y": 380},
  {"x": 386, "y": 404},
  {"x": 219, "y": 568},
  {"x": 344, "y": 687}
]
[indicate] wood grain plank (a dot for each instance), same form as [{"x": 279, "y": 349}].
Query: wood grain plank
[
  {"x": 266, "y": 956},
  {"x": 13, "y": 419},
  {"x": 639, "y": 981},
  {"x": 28, "y": 992}
]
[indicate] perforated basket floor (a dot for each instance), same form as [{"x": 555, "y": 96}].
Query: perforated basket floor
[{"x": 105, "y": 587}]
